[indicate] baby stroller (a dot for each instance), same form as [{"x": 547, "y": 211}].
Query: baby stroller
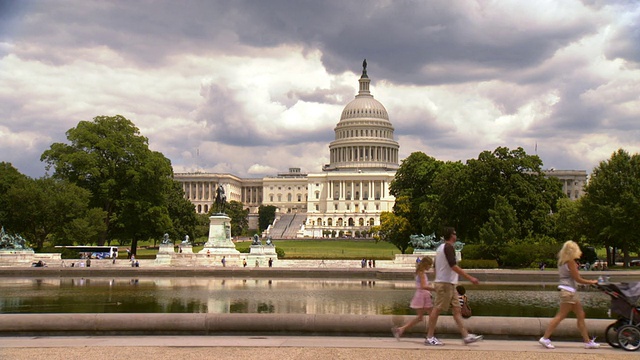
[{"x": 625, "y": 332}]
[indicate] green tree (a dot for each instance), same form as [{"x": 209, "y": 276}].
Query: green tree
[
  {"x": 415, "y": 194},
  {"x": 501, "y": 228},
  {"x": 9, "y": 177},
  {"x": 109, "y": 157},
  {"x": 612, "y": 203},
  {"x": 49, "y": 209},
  {"x": 393, "y": 229},
  {"x": 568, "y": 220},
  {"x": 181, "y": 212},
  {"x": 266, "y": 215},
  {"x": 519, "y": 179},
  {"x": 238, "y": 215},
  {"x": 432, "y": 194}
]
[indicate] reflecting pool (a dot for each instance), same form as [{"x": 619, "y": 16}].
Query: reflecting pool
[{"x": 285, "y": 296}]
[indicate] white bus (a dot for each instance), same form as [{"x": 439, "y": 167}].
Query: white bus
[{"x": 95, "y": 252}]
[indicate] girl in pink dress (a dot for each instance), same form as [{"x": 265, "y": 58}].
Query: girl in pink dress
[{"x": 421, "y": 300}]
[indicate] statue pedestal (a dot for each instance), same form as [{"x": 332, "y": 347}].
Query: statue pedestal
[
  {"x": 219, "y": 241},
  {"x": 166, "y": 249},
  {"x": 432, "y": 253},
  {"x": 186, "y": 249},
  {"x": 262, "y": 250}
]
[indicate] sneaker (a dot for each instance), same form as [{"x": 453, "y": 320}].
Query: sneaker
[
  {"x": 433, "y": 341},
  {"x": 547, "y": 343},
  {"x": 396, "y": 332},
  {"x": 591, "y": 344},
  {"x": 471, "y": 338}
]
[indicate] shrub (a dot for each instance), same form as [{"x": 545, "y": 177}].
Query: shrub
[
  {"x": 475, "y": 252},
  {"x": 523, "y": 255},
  {"x": 280, "y": 253},
  {"x": 479, "y": 264}
]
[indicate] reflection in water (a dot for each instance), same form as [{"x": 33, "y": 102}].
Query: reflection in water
[{"x": 282, "y": 296}]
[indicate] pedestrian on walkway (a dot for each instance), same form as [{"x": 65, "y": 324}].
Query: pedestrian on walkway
[
  {"x": 224, "y": 261},
  {"x": 569, "y": 300},
  {"x": 421, "y": 300},
  {"x": 447, "y": 272}
]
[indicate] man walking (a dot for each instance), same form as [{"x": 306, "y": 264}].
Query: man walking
[{"x": 446, "y": 273}]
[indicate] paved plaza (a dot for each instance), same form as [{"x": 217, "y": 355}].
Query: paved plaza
[{"x": 288, "y": 347}]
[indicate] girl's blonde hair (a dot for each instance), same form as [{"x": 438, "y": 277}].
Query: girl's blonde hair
[
  {"x": 424, "y": 264},
  {"x": 570, "y": 251}
]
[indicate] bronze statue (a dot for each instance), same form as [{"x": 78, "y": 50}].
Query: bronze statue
[{"x": 221, "y": 200}]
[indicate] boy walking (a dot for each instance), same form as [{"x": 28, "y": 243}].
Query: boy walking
[{"x": 447, "y": 272}]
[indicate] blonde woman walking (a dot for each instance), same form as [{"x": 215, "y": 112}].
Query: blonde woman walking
[
  {"x": 569, "y": 300},
  {"x": 421, "y": 300}
]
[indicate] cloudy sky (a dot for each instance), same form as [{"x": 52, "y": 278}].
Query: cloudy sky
[{"x": 255, "y": 87}]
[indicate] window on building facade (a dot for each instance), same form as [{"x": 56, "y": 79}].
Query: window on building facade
[{"x": 335, "y": 207}]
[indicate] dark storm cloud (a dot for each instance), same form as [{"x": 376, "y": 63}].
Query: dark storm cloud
[{"x": 399, "y": 38}]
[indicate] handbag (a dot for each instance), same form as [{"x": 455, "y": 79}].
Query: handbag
[{"x": 465, "y": 310}]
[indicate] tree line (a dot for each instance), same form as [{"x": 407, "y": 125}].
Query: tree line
[
  {"x": 106, "y": 186},
  {"x": 503, "y": 199}
]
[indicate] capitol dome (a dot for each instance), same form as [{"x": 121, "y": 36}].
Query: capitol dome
[{"x": 364, "y": 135}]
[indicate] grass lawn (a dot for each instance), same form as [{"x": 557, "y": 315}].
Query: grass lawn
[{"x": 332, "y": 249}]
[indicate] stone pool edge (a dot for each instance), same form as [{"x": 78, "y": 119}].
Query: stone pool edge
[{"x": 274, "y": 324}]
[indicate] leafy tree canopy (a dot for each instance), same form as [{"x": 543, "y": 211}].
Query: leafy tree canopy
[
  {"x": 109, "y": 157},
  {"x": 431, "y": 194},
  {"x": 238, "y": 215},
  {"x": 393, "y": 229},
  {"x": 612, "y": 202},
  {"x": 266, "y": 215}
]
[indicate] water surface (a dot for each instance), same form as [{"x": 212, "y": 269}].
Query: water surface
[{"x": 283, "y": 296}]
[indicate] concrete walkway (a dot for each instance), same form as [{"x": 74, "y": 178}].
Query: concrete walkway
[{"x": 288, "y": 347}]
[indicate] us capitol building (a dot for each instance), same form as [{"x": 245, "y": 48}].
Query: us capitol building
[{"x": 346, "y": 197}]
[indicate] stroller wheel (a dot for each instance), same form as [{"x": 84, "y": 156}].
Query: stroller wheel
[
  {"x": 611, "y": 334},
  {"x": 629, "y": 337}
]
